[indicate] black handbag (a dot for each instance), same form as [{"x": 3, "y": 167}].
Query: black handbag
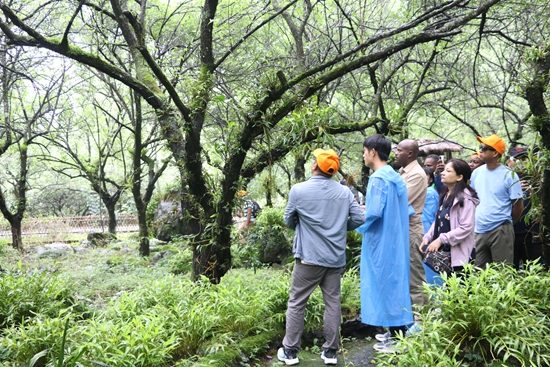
[{"x": 439, "y": 261}]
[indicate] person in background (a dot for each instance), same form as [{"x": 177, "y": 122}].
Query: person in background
[
  {"x": 415, "y": 179},
  {"x": 321, "y": 211},
  {"x": 349, "y": 183},
  {"x": 248, "y": 211},
  {"x": 434, "y": 162},
  {"x": 385, "y": 298},
  {"x": 453, "y": 229},
  {"x": 432, "y": 200},
  {"x": 501, "y": 204},
  {"x": 527, "y": 242},
  {"x": 475, "y": 161}
]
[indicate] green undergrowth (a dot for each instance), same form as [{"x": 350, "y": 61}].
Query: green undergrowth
[
  {"x": 111, "y": 307},
  {"x": 495, "y": 317}
]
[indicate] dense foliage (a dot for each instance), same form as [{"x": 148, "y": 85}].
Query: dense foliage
[{"x": 495, "y": 317}]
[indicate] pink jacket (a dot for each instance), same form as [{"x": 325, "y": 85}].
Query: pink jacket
[{"x": 461, "y": 236}]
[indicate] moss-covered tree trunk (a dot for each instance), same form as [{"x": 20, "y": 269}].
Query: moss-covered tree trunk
[{"x": 535, "y": 93}]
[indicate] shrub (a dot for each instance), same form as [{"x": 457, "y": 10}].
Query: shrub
[
  {"x": 487, "y": 317},
  {"x": 269, "y": 240},
  {"x": 25, "y": 296}
]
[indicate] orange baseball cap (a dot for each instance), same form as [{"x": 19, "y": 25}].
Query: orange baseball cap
[
  {"x": 327, "y": 160},
  {"x": 495, "y": 142}
]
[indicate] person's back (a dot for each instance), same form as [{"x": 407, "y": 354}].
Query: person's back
[{"x": 319, "y": 210}]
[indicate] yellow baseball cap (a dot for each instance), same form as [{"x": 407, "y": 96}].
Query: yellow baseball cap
[{"x": 327, "y": 160}]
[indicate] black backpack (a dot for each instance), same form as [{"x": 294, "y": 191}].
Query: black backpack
[{"x": 256, "y": 208}]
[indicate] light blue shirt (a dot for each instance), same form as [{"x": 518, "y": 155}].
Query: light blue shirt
[{"x": 497, "y": 190}]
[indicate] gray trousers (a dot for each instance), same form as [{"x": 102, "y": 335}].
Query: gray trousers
[
  {"x": 417, "y": 275},
  {"x": 495, "y": 246},
  {"x": 305, "y": 278}
]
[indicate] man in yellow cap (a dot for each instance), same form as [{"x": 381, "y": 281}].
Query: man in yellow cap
[
  {"x": 500, "y": 193},
  {"x": 321, "y": 211}
]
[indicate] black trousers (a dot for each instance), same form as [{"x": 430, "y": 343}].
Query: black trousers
[{"x": 525, "y": 249}]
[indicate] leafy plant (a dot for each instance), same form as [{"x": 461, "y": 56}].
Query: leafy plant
[
  {"x": 24, "y": 296},
  {"x": 485, "y": 317}
]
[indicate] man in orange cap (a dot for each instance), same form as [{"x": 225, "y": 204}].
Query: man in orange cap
[
  {"x": 499, "y": 190},
  {"x": 321, "y": 211}
]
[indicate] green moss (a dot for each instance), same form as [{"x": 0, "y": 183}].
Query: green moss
[
  {"x": 228, "y": 357},
  {"x": 258, "y": 343}
]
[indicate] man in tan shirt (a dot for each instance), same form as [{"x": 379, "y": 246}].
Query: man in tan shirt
[{"x": 415, "y": 178}]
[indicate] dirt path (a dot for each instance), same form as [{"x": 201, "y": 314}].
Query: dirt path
[{"x": 357, "y": 353}]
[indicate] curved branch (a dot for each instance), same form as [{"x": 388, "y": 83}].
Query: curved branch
[
  {"x": 77, "y": 54},
  {"x": 250, "y": 33},
  {"x": 283, "y": 148},
  {"x": 65, "y": 39}
]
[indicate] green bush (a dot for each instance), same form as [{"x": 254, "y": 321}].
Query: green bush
[
  {"x": 25, "y": 296},
  {"x": 490, "y": 317},
  {"x": 266, "y": 242}
]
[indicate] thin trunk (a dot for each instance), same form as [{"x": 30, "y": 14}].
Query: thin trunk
[
  {"x": 143, "y": 232},
  {"x": 300, "y": 170},
  {"x": 112, "y": 216},
  {"x": 16, "y": 237}
]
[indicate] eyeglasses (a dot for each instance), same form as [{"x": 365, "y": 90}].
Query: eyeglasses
[{"x": 485, "y": 148}]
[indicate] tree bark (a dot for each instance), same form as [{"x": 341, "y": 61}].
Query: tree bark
[
  {"x": 16, "y": 234},
  {"x": 534, "y": 94}
]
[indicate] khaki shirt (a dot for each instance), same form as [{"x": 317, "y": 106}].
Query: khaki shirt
[{"x": 417, "y": 184}]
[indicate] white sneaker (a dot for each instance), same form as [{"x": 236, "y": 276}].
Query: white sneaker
[
  {"x": 389, "y": 346},
  {"x": 383, "y": 337},
  {"x": 288, "y": 356},
  {"x": 329, "y": 356}
]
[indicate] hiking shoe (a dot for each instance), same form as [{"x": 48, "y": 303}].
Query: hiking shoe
[
  {"x": 288, "y": 356},
  {"x": 329, "y": 356},
  {"x": 383, "y": 337},
  {"x": 415, "y": 328},
  {"x": 388, "y": 346}
]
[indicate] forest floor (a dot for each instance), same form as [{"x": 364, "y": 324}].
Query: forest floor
[{"x": 356, "y": 353}]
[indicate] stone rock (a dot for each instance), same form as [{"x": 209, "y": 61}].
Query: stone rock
[
  {"x": 60, "y": 247},
  {"x": 40, "y": 250},
  {"x": 167, "y": 219},
  {"x": 153, "y": 242},
  {"x": 100, "y": 239},
  {"x": 274, "y": 249},
  {"x": 81, "y": 250},
  {"x": 85, "y": 243}
]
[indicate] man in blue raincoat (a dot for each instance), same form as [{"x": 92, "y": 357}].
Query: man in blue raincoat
[{"x": 385, "y": 261}]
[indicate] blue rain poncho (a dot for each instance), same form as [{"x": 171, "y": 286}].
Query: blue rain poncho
[{"x": 385, "y": 259}]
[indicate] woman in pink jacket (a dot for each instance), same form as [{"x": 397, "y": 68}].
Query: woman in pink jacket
[{"x": 455, "y": 219}]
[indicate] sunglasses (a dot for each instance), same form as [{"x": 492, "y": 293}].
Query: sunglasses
[{"x": 485, "y": 148}]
